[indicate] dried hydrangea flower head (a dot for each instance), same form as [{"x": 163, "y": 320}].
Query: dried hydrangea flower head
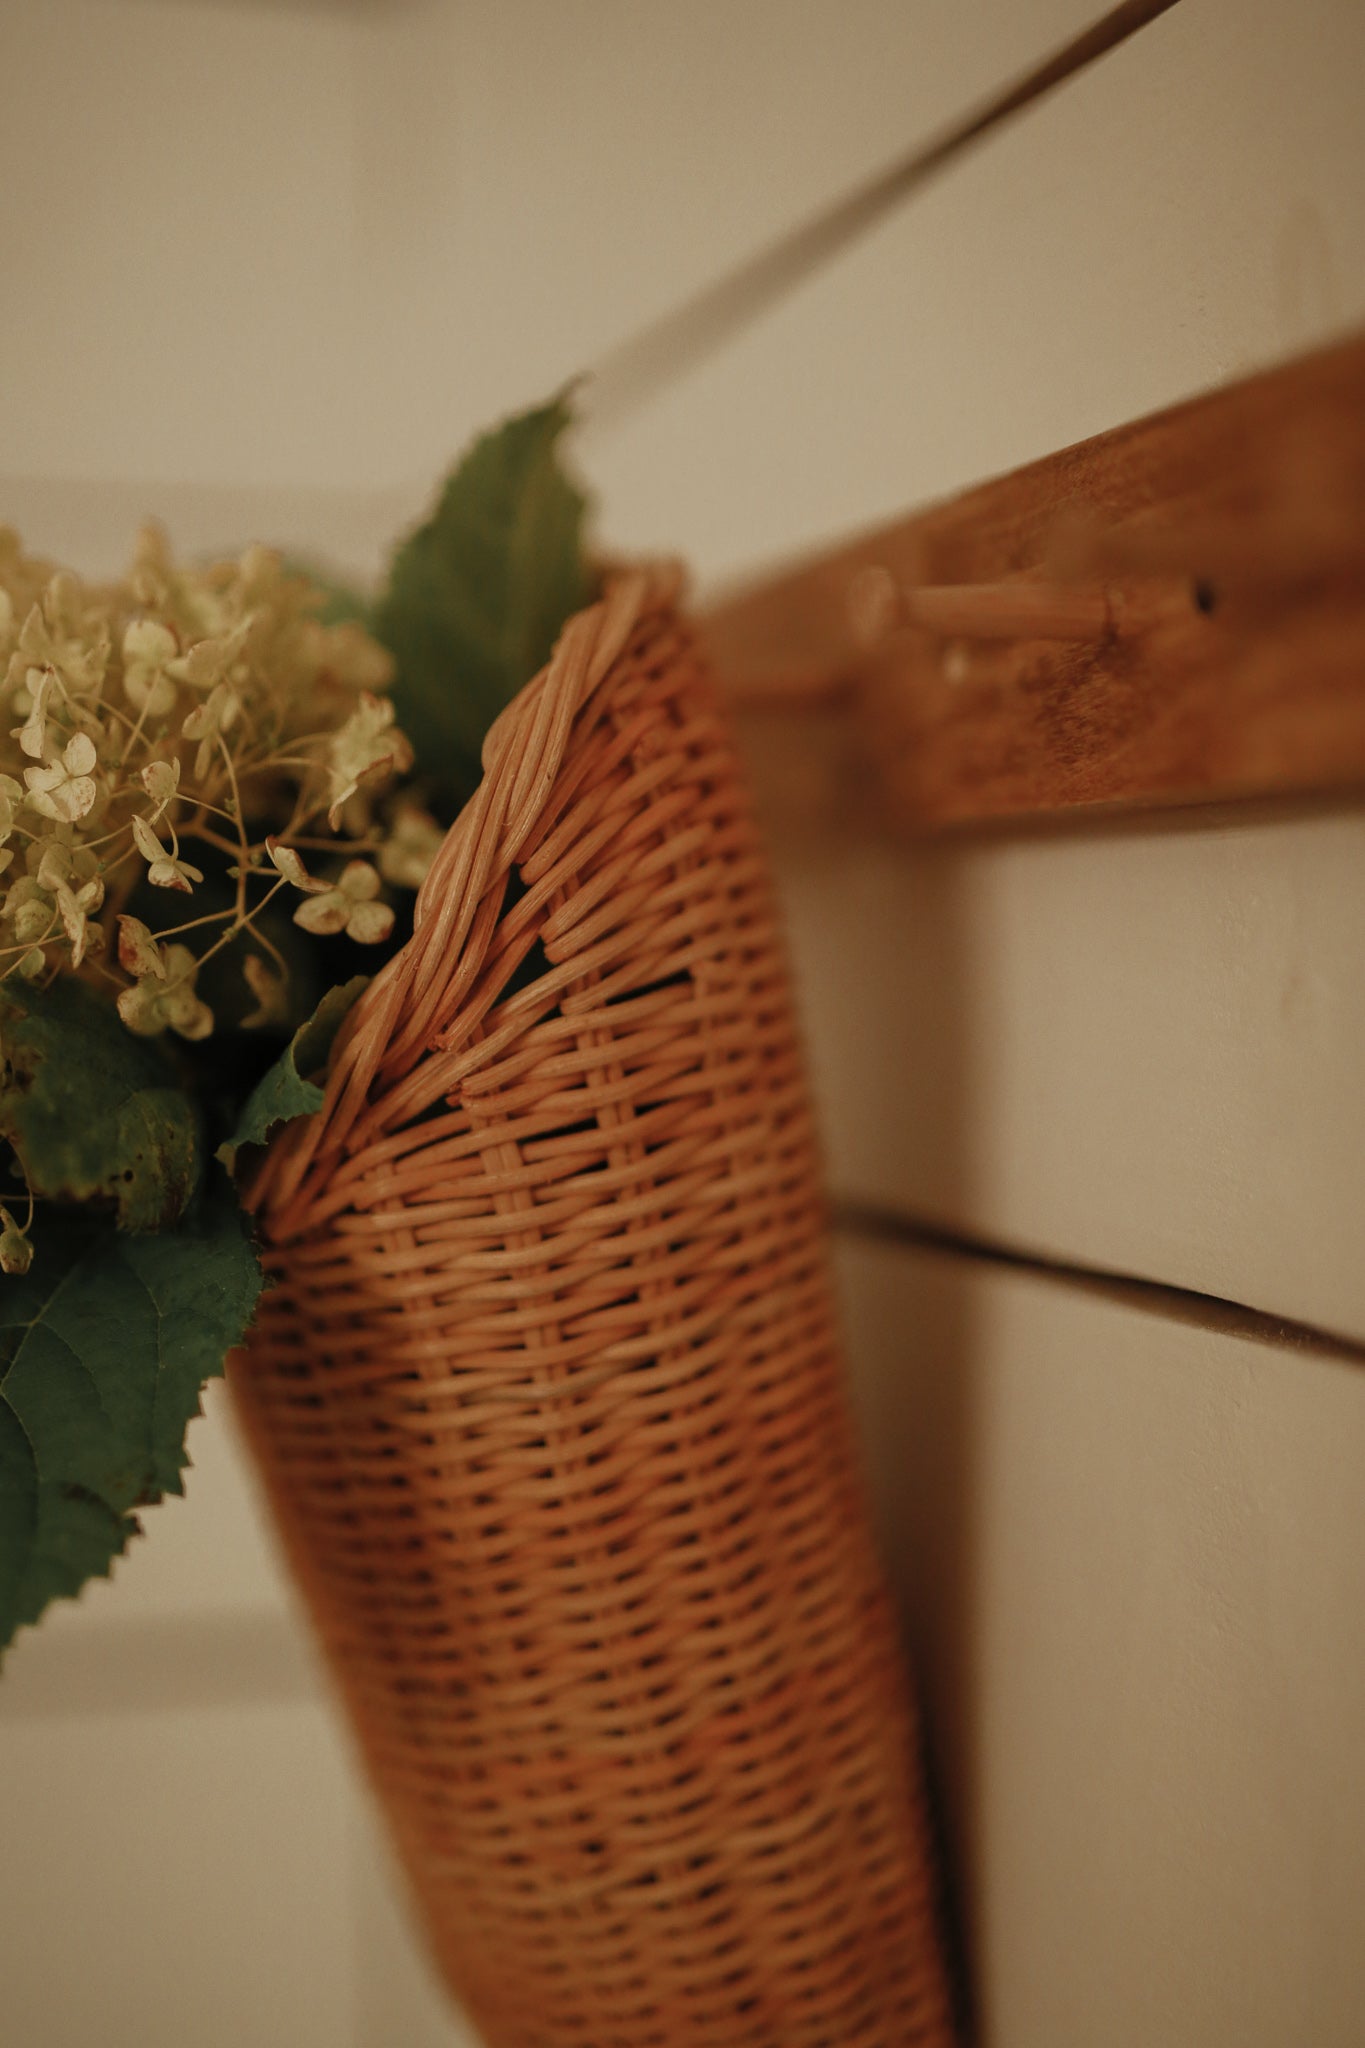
[{"x": 185, "y": 714}]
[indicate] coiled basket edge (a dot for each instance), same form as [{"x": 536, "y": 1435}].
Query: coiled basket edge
[{"x": 548, "y": 1402}]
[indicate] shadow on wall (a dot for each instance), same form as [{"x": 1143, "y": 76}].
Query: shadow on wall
[{"x": 882, "y": 989}]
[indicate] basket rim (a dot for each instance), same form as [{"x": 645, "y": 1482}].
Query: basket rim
[{"x": 390, "y": 1024}]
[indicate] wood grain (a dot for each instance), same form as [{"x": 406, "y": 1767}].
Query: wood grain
[{"x": 1223, "y": 544}]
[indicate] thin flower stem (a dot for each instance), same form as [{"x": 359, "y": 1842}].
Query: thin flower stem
[
  {"x": 27, "y": 945},
  {"x": 16, "y": 1166},
  {"x": 136, "y": 734},
  {"x": 306, "y": 739},
  {"x": 116, "y": 711},
  {"x": 269, "y": 945},
  {"x": 130, "y": 852},
  {"x": 204, "y": 809},
  {"x": 105, "y": 839},
  {"x": 239, "y": 925},
  {"x": 217, "y": 839},
  {"x": 174, "y": 931},
  {"x": 243, "y": 843}
]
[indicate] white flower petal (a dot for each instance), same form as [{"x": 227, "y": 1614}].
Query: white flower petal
[
  {"x": 149, "y": 643},
  {"x": 359, "y": 881},
  {"x": 291, "y": 866},
  {"x": 16, "y": 1249},
  {"x": 140, "y": 1009},
  {"x": 165, "y": 874},
  {"x": 161, "y": 780},
  {"x": 324, "y": 914},
  {"x": 138, "y": 951},
  {"x": 368, "y": 923},
  {"x": 268, "y": 986},
  {"x": 54, "y": 865},
  {"x": 32, "y": 735},
  {"x": 148, "y": 845}
]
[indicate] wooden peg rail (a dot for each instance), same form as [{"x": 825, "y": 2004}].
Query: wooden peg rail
[{"x": 1173, "y": 612}]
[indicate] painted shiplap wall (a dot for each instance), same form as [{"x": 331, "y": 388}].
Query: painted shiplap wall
[
  {"x": 296, "y": 246},
  {"x": 1132, "y": 1551},
  {"x": 268, "y": 266},
  {"x": 1140, "y": 1046}
]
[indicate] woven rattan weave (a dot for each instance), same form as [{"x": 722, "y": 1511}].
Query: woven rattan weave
[{"x": 549, "y": 1403}]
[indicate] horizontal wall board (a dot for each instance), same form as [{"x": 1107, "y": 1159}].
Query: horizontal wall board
[
  {"x": 1141, "y": 1048},
  {"x": 1133, "y": 1566},
  {"x": 126, "y": 1662}
]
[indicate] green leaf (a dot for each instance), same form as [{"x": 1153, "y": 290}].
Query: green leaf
[
  {"x": 94, "y": 1114},
  {"x": 104, "y": 1348},
  {"x": 18, "y": 1507},
  {"x": 478, "y": 596},
  {"x": 284, "y": 1090}
]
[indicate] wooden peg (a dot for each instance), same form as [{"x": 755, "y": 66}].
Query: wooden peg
[
  {"x": 1012, "y": 611},
  {"x": 1211, "y": 560},
  {"x": 879, "y": 606}
]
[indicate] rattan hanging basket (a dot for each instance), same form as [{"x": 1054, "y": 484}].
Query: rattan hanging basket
[{"x": 549, "y": 1404}]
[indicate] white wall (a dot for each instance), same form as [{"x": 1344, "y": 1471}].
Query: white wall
[
  {"x": 266, "y": 266},
  {"x": 301, "y": 247}
]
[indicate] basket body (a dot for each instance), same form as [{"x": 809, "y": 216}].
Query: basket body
[{"x": 549, "y": 1405}]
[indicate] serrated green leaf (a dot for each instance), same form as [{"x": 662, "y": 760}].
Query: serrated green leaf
[
  {"x": 94, "y": 1114},
  {"x": 18, "y": 1506},
  {"x": 284, "y": 1091},
  {"x": 477, "y": 597},
  {"x": 104, "y": 1348}
]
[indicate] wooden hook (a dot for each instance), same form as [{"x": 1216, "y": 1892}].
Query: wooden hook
[{"x": 878, "y": 605}]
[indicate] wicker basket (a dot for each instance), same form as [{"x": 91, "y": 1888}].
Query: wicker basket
[{"x": 549, "y": 1404}]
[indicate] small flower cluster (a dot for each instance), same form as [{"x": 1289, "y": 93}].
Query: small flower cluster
[{"x": 181, "y": 717}]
